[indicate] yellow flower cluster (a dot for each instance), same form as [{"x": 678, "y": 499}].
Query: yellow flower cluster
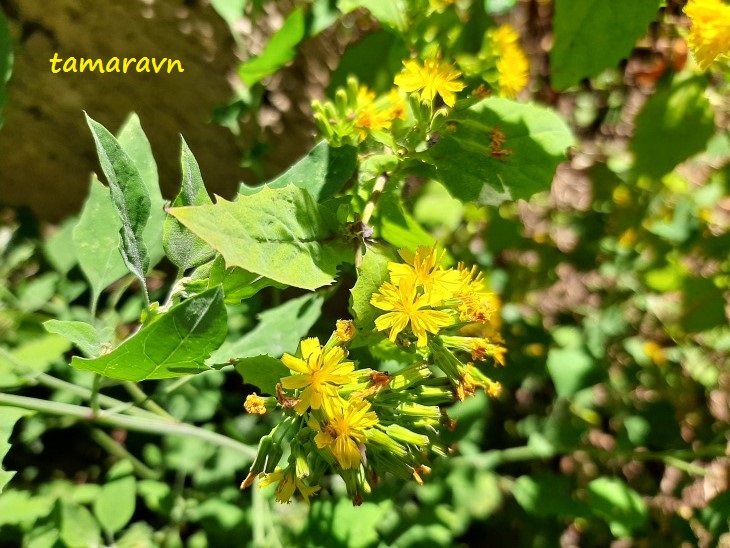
[
  {"x": 512, "y": 64},
  {"x": 709, "y": 36},
  {"x": 362, "y": 423},
  {"x": 356, "y": 113}
]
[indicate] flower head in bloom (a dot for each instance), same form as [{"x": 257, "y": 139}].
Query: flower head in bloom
[
  {"x": 345, "y": 430},
  {"x": 709, "y": 36},
  {"x": 403, "y": 305},
  {"x": 321, "y": 372},
  {"x": 512, "y": 63},
  {"x": 345, "y": 330},
  {"x": 256, "y": 405},
  {"x": 430, "y": 79},
  {"x": 424, "y": 268},
  {"x": 288, "y": 482},
  {"x": 377, "y": 114}
]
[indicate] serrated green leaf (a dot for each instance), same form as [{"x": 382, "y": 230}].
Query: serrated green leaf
[
  {"x": 370, "y": 276},
  {"x": 279, "y": 330},
  {"x": 175, "y": 344},
  {"x": 115, "y": 504},
  {"x": 133, "y": 140},
  {"x": 282, "y": 234},
  {"x": 83, "y": 335},
  {"x": 619, "y": 505},
  {"x": 322, "y": 172},
  {"x": 674, "y": 124},
  {"x": 278, "y": 52},
  {"x": 183, "y": 247},
  {"x": 59, "y": 248},
  {"x": 78, "y": 526},
  {"x": 593, "y": 35},
  {"x": 262, "y": 371},
  {"x": 389, "y": 12},
  {"x": 129, "y": 196},
  {"x": 8, "y": 417},
  {"x": 238, "y": 284},
  {"x": 96, "y": 239},
  {"x": 536, "y": 137}
]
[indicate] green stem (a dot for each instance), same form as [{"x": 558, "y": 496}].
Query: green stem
[
  {"x": 95, "y": 385},
  {"x": 115, "y": 448},
  {"x": 151, "y": 426},
  {"x": 143, "y": 399},
  {"x": 369, "y": 209}
]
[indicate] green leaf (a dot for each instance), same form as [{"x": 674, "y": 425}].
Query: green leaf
[
  {"x": 8, "y": 417},
  {"x": 36, "y": 354},
  {"x": 96, "y": 239},
  {"x": 703, "y": 305},
  {"x": 370, "y": 276},
  {"x": 230, "y": 10},
  {"x": 78, "y": 526},
  {"x": 133, "y": 140},
  {"x": 279, "y": 330},
  {"x": 278, "y": 52},
  {"x": 537, "y": 138},
  {"x": 389, "y": 12},
  {"x": 619, "y": 505},
  {"x": 397, "y": 227},
  {"x": 282, "y": 234},
  {"x": 571, "y": 369},
  {"x": 322, "y": 172},
  {"x": 115, "y": 504},
  {"x": 238, "y": 284},
  {"x": 593, "y": 35},
  {"x": 129, "y": 195},
  {"x": 59, "y": 248},
  {"x": 183, "y": 247},
  {"x": 82, "y": 334},
  {"x": 674, "y": 124},
  {"x": 547, "y": 495},
  {"x": 176, "y": 343},
  {"x": 263, "y": 371},
  {"x": 6, "y": 61}
]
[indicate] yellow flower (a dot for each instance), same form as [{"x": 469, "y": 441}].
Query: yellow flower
[
  {"x": 404, "y": 305},
  {"x": 709, "y": 36},
  {"x": 424, "y": 268},
  {"x": 377, "y": 115},
  {"x": 512, "y": 63},
  {"x": 477, "y": 303},
  {"x": 288, "y": 483},
  {"x": 321, "y": 371},
  {"x": 345, "y": 330},
  {"x": 255, "y": 405},
  {"x": 431, "y": 78},
  {"x": 345, "y": 430}
]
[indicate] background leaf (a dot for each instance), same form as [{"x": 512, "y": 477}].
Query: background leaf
[
  {"x": 593, "y": 35},
  {"x": 278, "y": 52},
  {"x": 176, "y": 343},
  {"x": 389, "y": 12},
  {"x": 8, "y": 417},
  {"x": 322, "y": 172},
  {"x": 114, "y": 506},
  {"x": 82, "y": 334},
  {"x": 370, "y": 276},
  {"x": 619, "y": 505},
  {"x": 129, "y": 195},
  {"x": 537, "y": 137},
  {"x": 674, "y": 124},
  {"x": 183, "y": 247},
  {"x": 281, "y": 234}
]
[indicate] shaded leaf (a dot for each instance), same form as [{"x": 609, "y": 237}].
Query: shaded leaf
[
  {"x": 279, "y": 330},
  {"x": 238, "y": 284},
  {"x": 176, "y": 343},
  {"x": 537, "y": 138},
  {"x": 617, "y": 504},
  {"x": 129, "y": 196},
  {"x": 593, "y": 35},
  {"x": 282, "y": 234},
  {"x": 262, "y": 371},
  {"x": 8, "y": 417},
  {"x": 183, "y": 247},
  {"x": 397, "y": 227},
  {"x": 322, "y": 172}
]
